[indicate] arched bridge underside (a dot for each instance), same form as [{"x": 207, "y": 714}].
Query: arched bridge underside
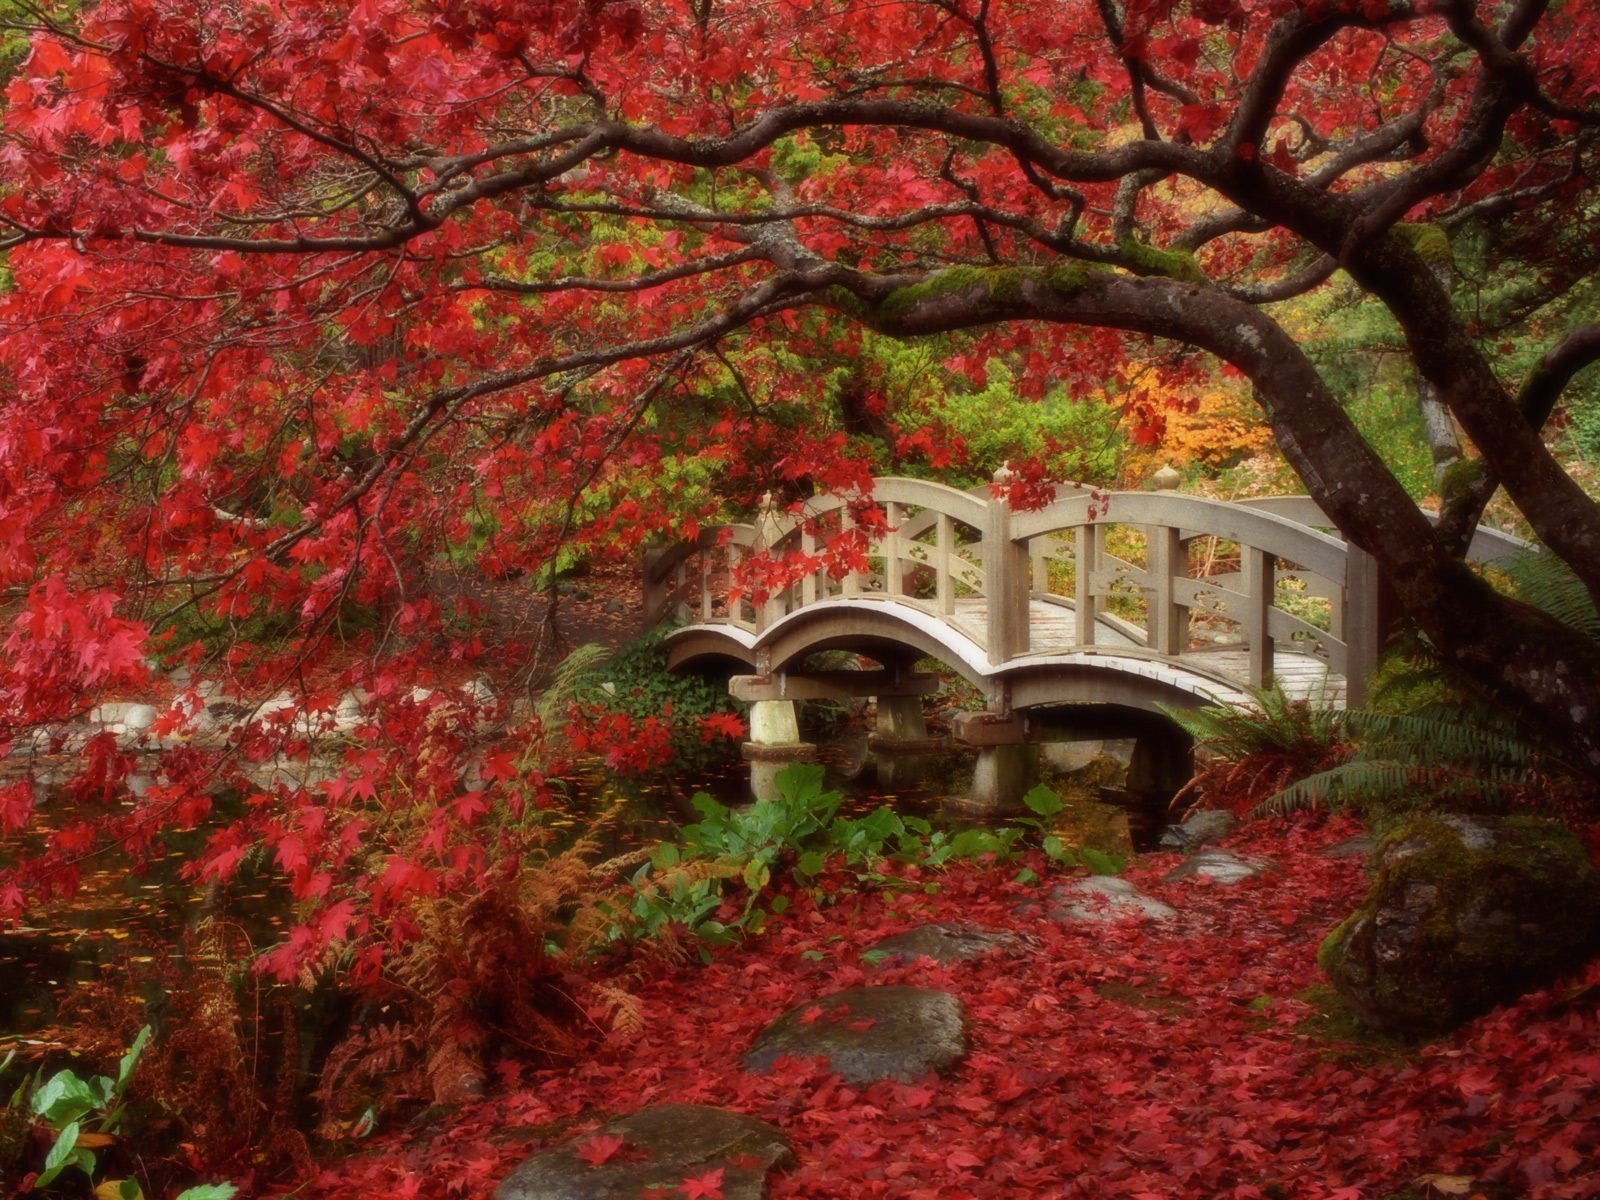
[
  {"x": 1131, "y": 599},
  {"x": 1062, "y": 670}
]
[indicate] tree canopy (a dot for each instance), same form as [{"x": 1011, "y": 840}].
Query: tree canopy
[{"x": 304, "y": 296}]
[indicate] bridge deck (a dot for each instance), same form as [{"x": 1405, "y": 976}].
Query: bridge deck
[
  {"x": 1202, "y": 675},
  {"x": 1053, "y": 630},
  {"x": 961, "y": 577}
]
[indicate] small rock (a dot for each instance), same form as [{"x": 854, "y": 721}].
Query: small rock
[
  {"x": 1221, "y": 865},
  {"x": 662, "y": 1146},
  {"x": 351, "y": 711},
  {"x": 615, "y": 606},
  {"x": 1352, "y": 847},
  {"x": 943, "y": 943},
  {"x": 1208, "y": 825},
  {"x": 869, "y": 1033},
  {"x": 480, "y": 692},
  {"x": 137, "y": 718},
  {"x": 1105, "y": 898}
]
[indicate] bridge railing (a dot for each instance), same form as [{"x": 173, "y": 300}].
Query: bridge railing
[
  {"x": 1133, "y": 570},
  {"x": 1158, "y": 595}
]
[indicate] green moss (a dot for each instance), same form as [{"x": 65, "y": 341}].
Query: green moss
[
  {"x": 1466, "y": 943},
  {"x": 1458, "y": 478},
  {"x": 1148, "y": 260},
  {"x": 1430, "y": 242},
  {"x": 1002, "y": 285},
  {"x": 1333, "y": 1022}
]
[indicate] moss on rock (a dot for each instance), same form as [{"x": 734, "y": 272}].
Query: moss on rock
[{"x": 1463, "y": 913}]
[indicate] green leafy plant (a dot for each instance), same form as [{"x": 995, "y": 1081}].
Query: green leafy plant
[
  {"x": 799, "y": 833},
  {"x": 85, "y": 1115},
  {"x": 635, "y": 681}
]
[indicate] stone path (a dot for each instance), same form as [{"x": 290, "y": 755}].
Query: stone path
[
  {"x": 659, "y": 1148},
  {"x": 865, "y": 1034},
  {"x": 869, "y": 1033}
]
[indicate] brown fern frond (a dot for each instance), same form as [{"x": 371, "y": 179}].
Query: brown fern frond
[{"x": 622, "y": 1010}]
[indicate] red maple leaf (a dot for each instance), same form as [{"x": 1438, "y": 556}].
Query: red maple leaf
[
  {"x": 601, "y": 1148},
  {"x": 704, "y": 1187}
]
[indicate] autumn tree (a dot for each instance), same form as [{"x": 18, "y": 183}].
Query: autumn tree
[{"x": 303, "y": 296}]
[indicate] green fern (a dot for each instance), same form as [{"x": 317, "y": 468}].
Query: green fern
[
  {"x": 1426, "y": 740},
  {"x": 1274, "y": 723}
]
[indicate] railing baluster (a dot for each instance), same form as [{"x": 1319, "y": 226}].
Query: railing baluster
[
  {"x": 1086, "y": 561},
  {"x": 808, "y": 584},
  {"x": 1005, "y": 582},
  {"x": 706, "y": 610},
  {"x": 1166, "y": 560},
  {"x": 1038, "y": 551},
  {"x": 1361, "y": 622},
  {"x": 1259, "y": 585},
  {"x": 945, "y": 582},
  {"x": 680, "y": 591},
  {"x": 893, "y": 585}
]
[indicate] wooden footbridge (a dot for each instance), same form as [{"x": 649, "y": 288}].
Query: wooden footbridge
[
  {"x": 1131, "y": 598},
  {"x": 1076, "y": 620}
]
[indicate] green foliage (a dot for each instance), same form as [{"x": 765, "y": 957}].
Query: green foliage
[
  {"x": 799, "y": 834},
  {"x": 635, "y": 681},
  {"x": 1388, "y": 417},
  {"x": 1424, "y": 741},
  {"x": 71, "y": 1107},
  {"x": 1274, "y": 723},
  {"x": 997, "y": 424},
  {"x": 1258, "y": 750}
]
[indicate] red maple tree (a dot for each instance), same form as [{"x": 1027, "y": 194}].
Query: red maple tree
[{"x": 306, "y": 298}]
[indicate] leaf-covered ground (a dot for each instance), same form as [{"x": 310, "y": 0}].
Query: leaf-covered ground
[{"x": 1196, "y": 1058}]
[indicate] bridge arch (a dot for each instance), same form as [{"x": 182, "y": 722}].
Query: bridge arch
[{"x": 1089, "y": 600}]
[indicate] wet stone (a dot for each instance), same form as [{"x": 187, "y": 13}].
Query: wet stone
[
  {"x": 1104, "y": 898},
  {"x": 1354, "y": 847},
  {"x": 1207, "y": 825},
  {"x": 1220, "y": 865},
  {"x": 869, "y": 1033},
  {"x": 661, "y": 1147},
  {"x": 943, "y": 943}
]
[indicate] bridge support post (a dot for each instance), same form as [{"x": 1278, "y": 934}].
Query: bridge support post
[
  {"x": 1002, "y": 776},
  {"x": 1162, "y": 762},
  {"x": 774, "y": 744},
  {"x": 900, "y": 743}
]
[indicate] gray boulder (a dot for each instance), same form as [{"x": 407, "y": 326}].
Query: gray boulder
[
  {"x": 1463, "y": 913},
  {"x": 1207, "y": 825},
  {"x": 1221, "y": 865},
  {"x": 1105, "y": 898},
  {"x": 869, "y": 1033},
  {"x": 661, "y": 1147},
  {"x": 943, "y": 943}
]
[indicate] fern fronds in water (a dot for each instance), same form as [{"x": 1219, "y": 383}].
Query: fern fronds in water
[{"x": 578, "y": 679}]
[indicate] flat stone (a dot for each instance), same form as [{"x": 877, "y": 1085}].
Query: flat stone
[
  {"x": 1105, "y": 898},
  {"x": 869, "y": 1033},
  {"x": 1352, "y": 847},
  {"x": 662, "y": 1146},
  {"x": 1208, "y": 825},
  {"x": 1221, "y": 865},
  {"x": 943, "y": 943}
]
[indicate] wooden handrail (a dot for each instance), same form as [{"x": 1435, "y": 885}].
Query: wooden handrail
[{"x": 1004, "y": 557}]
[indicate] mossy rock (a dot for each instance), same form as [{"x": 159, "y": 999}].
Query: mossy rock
[{"x": 1464, "y": 913}]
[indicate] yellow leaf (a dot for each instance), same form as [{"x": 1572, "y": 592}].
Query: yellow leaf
[{"x": 1447, "y": 1185}]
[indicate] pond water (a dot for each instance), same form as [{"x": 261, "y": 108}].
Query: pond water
[{"x": 123, "y": 917}]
